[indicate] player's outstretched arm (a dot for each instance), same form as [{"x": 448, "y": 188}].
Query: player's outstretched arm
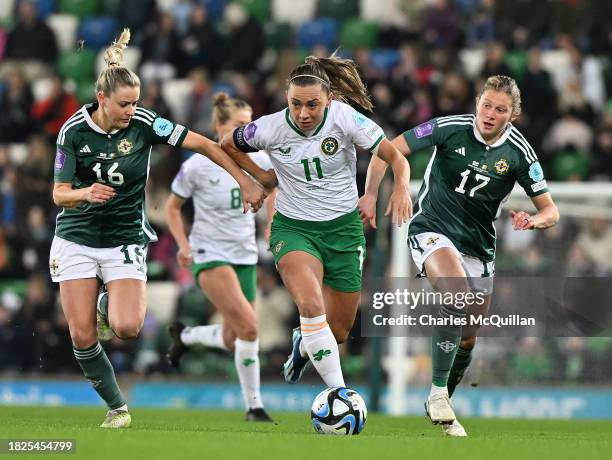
[
  {"x": 375, "y": 175},
  {"x": 400, "y": 204},
  {"x": 177, "y": 229},
  {"x": 547, "y": 215},
  {"x": 265, "y": 178},
  {"x": 252, "y": 194}
]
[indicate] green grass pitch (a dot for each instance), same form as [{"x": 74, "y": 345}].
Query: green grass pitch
[{"x": 177, "y": 434}]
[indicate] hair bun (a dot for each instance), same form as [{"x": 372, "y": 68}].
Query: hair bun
[
  {"x": 113, "y": 56},
  {"x": 220, "y": 99}
]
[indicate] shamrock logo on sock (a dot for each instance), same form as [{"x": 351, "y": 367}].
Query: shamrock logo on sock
[
  {"x": 248, "y": 361},
  {"x": 319, "y": 355}
]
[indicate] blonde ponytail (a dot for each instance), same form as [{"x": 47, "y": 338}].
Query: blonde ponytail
[{"x": 116, "y": 75}]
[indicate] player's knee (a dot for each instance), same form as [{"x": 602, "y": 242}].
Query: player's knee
[
  {"x": 83, "y": 338},
  {"x": 310, "y": 307},
  {"x": 127, "y": 329},
  {"x": 467, "y": 343}
]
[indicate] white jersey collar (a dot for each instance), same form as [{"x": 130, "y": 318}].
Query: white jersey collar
[{"x": 90, "y": 121}]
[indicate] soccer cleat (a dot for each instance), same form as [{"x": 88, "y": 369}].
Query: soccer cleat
[
  {"x": 177, "y": 348},
  {"x": 258, "y": 415},
  {"x": 454, "y": 429},
  {"x": 294, "y": 367},
  {"x": 117, "y": 419},
  {"x": 438, "y": 409},
  {"x": 102, "y": 325}
]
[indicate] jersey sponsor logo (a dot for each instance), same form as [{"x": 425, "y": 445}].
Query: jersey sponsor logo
[
  {"x": 60, "y": 160},
  {"x": 249, "y": 131},
  {"x": 162, "y": 127},
  {"x": 460, "y": 151},
  {"x": 423, "y": 130},
  {"x": 535, "y": 172},
  {"x": 85, "y": 149},
  {"x": 446, "y": 346},
  {"x": 502, "y": 167},
  {"x": 432, "y": 240},
  {"x": 329, "y": 146},
  {"x": 539, "y": 186},
  {"x": 361, "y": 119},
  {"x": 125, "y": 146}
]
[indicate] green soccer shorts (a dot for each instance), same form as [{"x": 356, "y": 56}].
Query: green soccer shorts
[
  {"x": 247, "y": 275},
  {"x": 338, "y": 243}
]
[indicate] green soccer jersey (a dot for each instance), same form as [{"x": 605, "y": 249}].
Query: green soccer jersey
[
  {"x": 120, "y": 159},
  {"x": 467, "y": 181}
]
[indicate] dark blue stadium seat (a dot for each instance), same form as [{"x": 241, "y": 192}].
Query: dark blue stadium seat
[
  {"x": 384, "y": 58},
  {"x": 45, "y": 8},
  {"x": 98, "y": 31},
  {"x": 322, "y": 31},
  {"x": 214, "y": 8}
]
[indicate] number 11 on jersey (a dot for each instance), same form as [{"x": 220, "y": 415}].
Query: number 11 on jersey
[{"x": 317, "y": 163}]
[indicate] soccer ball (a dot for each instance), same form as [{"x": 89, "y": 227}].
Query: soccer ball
[{"x": 339, "y": 411}]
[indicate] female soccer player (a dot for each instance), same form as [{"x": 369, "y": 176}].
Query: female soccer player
[
  {"x": 317, "y": 238},
  {"x": 101, "y": 169},
  {"x": 476, "y": 162},
  {"x": 221, "y": 252}
]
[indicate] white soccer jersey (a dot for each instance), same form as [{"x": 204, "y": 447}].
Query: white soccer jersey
[
  {"x": 316, "y": 173},
  {"x": 220, "y": 229}
]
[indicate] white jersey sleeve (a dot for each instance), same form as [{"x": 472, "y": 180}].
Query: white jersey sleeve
[
  {"x": 363, "y": 132},
  {"x": 183, "y": 184}
]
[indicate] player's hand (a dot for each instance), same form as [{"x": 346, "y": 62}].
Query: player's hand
[
  {"x": 252, "y": 196},
  {"x": 521, "y": 220},
  {"x": 98, "y": 193},
  {"x": 184, "y": 257},
  {"x": 400, "y": 206},
  {"x": 367, "y": 210}
]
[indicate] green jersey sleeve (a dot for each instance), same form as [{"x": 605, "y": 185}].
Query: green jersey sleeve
[
  {"x": 159, "y": 130},
  {"x": 65, "y": 162},
  {"x": 531, "y": 177},
  {"x": 423, "y": 136}
]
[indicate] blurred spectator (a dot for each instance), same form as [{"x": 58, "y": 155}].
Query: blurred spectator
[
  {"x": 51, "y": 112},
  {"x": 453, "y": 95},
  {"x": 160, "y": 56},
  {"x": 199, "y": 102},
  {"x": 569, "y": 131},
  {"x": 35, "y": 256},
  {"x": 244, "y": 43},
  {"x": 34, "y": 177},
  {"x": 602, "y": 164},
  {"x": 495, "y": 63},
  {"x": 31, "y": 39},
  {"x": 481, "y": 27},
  {"x": 591, "y": 254},
  {"x": 441, "y": 25},
  {"x": 152, "y": 98},
  {"x": 201, "y": 44},
  {"x": 15, "y": 106}
]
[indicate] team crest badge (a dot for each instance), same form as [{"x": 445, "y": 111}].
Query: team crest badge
[
  {"x": 125, "y": 146},
  {"x": 54, "y": 266},
  {"x": 329, "y": 146},
  {"x": 278, "y": 247},
  {"x": 501, "y": 167},
  {"x": 446, "y": 346}
]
